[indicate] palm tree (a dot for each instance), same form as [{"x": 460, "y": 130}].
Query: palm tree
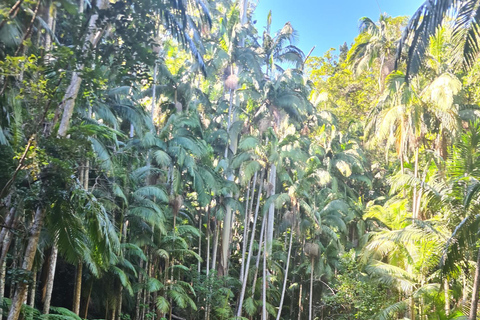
[
  {"x": 377, "y": 41},
  {"x": 424, "y": 23}
]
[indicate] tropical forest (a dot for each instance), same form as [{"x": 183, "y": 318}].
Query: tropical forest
[{"x": 174, "y": 159}]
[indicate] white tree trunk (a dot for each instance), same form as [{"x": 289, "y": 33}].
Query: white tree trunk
[
  {"x": 246, "y": 223},
  {"x": 27, "y": 264},
  {"x": 250, "y": 249},
  {"x": 50, "y": 279},
  {"x": 93, "y": 36},
  {"x": 310, "y": 309},
  {"x": 264, "y": 283},
  {"x": 3, "y": 268},
  {"x": 271, "y": 210},
  {"x": 285, "y": 276}
]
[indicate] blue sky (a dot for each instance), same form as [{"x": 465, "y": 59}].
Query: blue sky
[{"x": 325, "y": 23}]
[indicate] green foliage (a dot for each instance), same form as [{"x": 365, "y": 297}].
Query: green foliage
[{"x": 355, "y": 295}]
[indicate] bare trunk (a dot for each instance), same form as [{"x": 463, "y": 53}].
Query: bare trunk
[
  {"x": 51, "y": 16},
  {"x": 199, "y": 266},
  {"x": 250, "y": 249},
  {"x": 50, "y": 279},
  {"x": 310, "y": 307},
  {"x": 475, "y": 290},
  {"x": 9, "y": 224},
  {"x": 264, "y": 283},
  {"x": 414, "y": 208},
  {"x": 300, "y": 304},
  {"x": 285, "y": 276},
  {"x": 87, "y": 302},
  {"x": 33, "y": 289},
  {"x": 78, "y": 289},
  {"x": 215, "y": 244},
  {"x": 446, "y": 288},
  {"x": 228, "y": 219},
  {"x": 245, "y": 231},
  {"x": 3, "y": 267},
  {"x": 139, "y": 293},
  {"x": 68, "y": 101},
  {"x": 119, "y": 304},
  {"x": 27, "y": 264},
  {"x": 257, "y": 264},
  {"x": 271, "y": 210},
  {"x": 208, "y": 242}
]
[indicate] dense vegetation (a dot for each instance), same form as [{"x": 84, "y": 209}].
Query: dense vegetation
[{"x": 164, "y": 159}]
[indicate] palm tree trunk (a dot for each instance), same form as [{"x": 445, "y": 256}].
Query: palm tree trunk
[
  {"x": 27, "y": 264},
  {"x": 264, "y": 283},
  {"x": 257, "y": 264},
  {"x": 199, "y": 266},
  {"x": 87, "y": 302},
  {"x": 475, "y": 290},
  {"x": 285, "y": 275},
  {"x": 412, "y": 308},
  {"x": 310, "y": 310},
  {"x": 215, "y": 244},
  {"x": 120, "y": 301},
  {"x": 271, "y": 209},
  {"x": 245, "y": 231},
  {"x": 139, "y": 293},
  {"x": 250, "y": 249},
  {"x": 208, "y": 241},
  {"x": 50, "y": 279},
  {"x": 78, "y": 289},
  {"x": 300, "y": 305},
  {"x": 414, "y": 208}
]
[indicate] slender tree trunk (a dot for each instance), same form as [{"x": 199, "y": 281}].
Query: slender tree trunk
[
  {"x": 228, "y": 219},
  {"x": 257, "y": 264},
  {"x": 87, "y": 302},
  {"x": 199, "y": 266},
  {"x": 414, "y": 209},
  {"x": 245, "y": 232},
  {"x": 310, "y": 309},
  {"x": 285, "y": 275},
  {"x": 51, "y": 16},
  {"x": 33, "y": 289},
  {"x": 139, "y": 293},
  {"x": 50, "y": 279},
  {"x": 73, "y": 88},
  {"x": 3, "y": 268},
  {"x": 9, "y": 224},
  {"x": 27, "y": 264},
  {"x": 250, "y": 249},
  {"x": 264, "y": 282},
  {"x": 215, "y": 244},
  {"x": 300, "y": 305},
  {"x": 208, "y": 242},
  {"x": 7, "y": 240},
  {"x": 271, "y": 209},
  {"x": 475, "y": 290},
  {"x": 78, "y": 288}
]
